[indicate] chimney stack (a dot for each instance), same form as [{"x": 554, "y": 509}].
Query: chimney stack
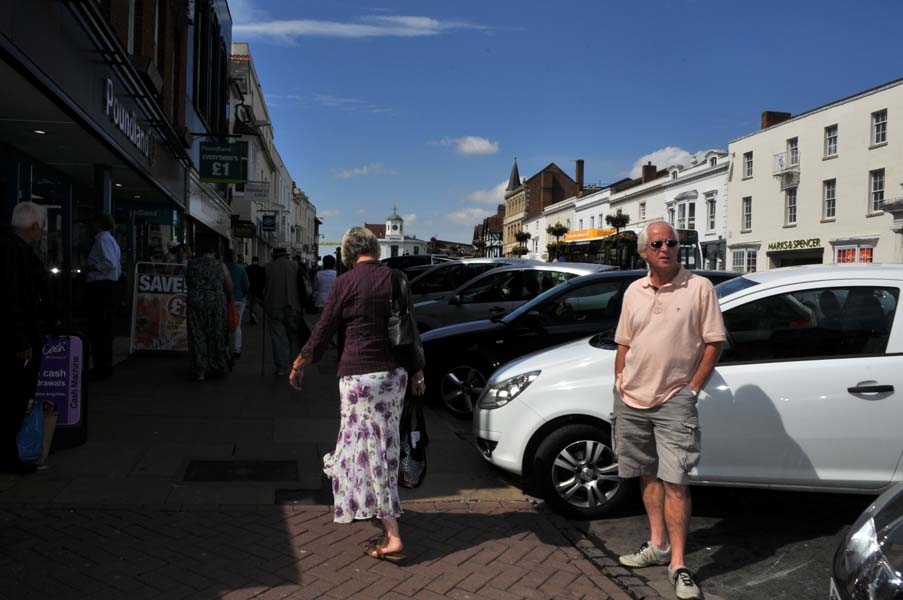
[
  {"x": 579, "y": 174},
  {"x": 771, "y": 117},
  {"x": 649, "y": 171}
]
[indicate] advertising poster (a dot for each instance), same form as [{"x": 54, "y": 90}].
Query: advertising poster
[
  {"x": 60, "y": 377},
  {"x": 160, "y": 308}
]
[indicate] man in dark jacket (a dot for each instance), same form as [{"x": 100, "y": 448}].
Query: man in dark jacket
[
  {"x": 258, "y": 278},
  {"x": 20, "y": 349}
]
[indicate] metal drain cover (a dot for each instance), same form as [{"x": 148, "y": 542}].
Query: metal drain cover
[{"x": 242, "y": 470}]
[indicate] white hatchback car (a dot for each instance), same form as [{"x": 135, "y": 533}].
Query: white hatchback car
[{"x": 804, "y": 396}]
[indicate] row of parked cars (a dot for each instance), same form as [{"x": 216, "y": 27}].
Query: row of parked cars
[{"x": 804, "y": 397}]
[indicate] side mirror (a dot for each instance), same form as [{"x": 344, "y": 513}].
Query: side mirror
[{"x": 455, "y": 300}]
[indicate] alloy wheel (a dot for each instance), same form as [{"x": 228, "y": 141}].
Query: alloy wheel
[
  {"x": 585, "y": 474},
  {"x": 461, "y": 388}
]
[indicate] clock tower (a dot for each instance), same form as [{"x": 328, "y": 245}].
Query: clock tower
[{"x": 394, "y": 225}]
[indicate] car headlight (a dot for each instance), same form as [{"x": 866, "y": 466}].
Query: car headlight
[
  {"x": 503, "y": 392},
  {"x": 870, "y": 574},
  {"x": 863, "y": 545}
]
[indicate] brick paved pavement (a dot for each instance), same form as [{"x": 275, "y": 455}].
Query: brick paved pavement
[
  {"x": 458, "y": 550},
  {"x": 116, "y": 518}
]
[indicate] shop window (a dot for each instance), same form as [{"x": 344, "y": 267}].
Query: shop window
[
  {"x": 744, "y": 260},
  {"x": 853, "y": 254}
]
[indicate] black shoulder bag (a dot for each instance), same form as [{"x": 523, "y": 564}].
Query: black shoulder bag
[{"x": 401, "y": 329}]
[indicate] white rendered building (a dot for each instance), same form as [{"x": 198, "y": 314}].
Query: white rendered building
[
  {"x": 819, "y": 187},
  {"x": 395, "y": 243}
]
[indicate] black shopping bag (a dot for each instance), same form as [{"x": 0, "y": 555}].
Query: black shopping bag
[{"x": 413, "y": 442}]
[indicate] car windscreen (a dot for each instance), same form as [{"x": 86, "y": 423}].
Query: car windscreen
[
  {"x": 723, "y": 290},
  {"x": 528, "y": 306}
]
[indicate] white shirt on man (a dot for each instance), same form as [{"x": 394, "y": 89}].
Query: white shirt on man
[{"x": 104, "y": 257}]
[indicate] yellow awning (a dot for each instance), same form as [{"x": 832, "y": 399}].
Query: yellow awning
[{"x": 587, "y": 234}]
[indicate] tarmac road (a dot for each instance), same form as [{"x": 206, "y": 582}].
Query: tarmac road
[{"x": 746, "y": 544}]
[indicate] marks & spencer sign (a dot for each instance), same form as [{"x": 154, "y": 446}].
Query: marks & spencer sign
[{"x": 795, "y": 244}]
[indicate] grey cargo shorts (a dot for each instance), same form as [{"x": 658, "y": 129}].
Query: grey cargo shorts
[{"x": 663, "y": 441}]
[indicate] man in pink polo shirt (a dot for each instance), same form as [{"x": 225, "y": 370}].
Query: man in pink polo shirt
[{"x": 669, "y": 338}]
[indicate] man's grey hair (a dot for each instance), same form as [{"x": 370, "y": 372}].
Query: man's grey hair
[
  {"x": 26, "y": 214},
  {"x": 357, "y": 242},
  {"x": 643, "y": 239}
]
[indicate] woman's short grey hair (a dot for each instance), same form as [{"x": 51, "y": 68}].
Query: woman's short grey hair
[
  {"x": 357, "y": 242},
  {"x": 643, "y": 239},
  {"x": 26, "y": 214}
]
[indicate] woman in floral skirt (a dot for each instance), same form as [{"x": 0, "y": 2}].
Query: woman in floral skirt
[{"x": 372, "y": 384}]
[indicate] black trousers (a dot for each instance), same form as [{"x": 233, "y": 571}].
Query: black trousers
[
  {"x": 19, "y": 382},
  {"x": 101, "y": 308}
]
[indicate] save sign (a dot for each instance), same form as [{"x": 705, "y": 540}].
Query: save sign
[{"x": 221, "y": 162}]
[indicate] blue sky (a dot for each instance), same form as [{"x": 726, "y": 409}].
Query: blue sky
[{"x": 427, "y": 103}]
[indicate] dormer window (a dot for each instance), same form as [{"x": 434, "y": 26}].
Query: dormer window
[
  {"x": 673, "y": 174},
  {"x": 713, "y": 161}
]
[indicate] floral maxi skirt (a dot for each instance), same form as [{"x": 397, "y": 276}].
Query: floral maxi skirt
[{"x": 364, "y": 465}]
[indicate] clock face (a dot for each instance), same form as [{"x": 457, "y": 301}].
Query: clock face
[{"x": 394, "y": 227}]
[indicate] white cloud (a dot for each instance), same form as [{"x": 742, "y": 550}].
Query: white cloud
[
  {"x": 469, "y": 216},
  {"x": 348, "y": 104},
  {"x": 409, "y": 219},
  {"x": 246, "y": 11},
  {"x": 371, "y": 169},
  {"x": 494, "y": 196},
  {"x": 470, "y": 144},
  {"x": 666, "y": 157},
  {"x": 287, "y": 31},
  {"x": 329, "y": 213}
]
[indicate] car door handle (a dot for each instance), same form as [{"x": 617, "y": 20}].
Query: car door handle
[{"x": 870, "y": 389}]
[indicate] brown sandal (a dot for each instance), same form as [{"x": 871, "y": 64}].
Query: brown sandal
[{"x": 378, "y": 552}]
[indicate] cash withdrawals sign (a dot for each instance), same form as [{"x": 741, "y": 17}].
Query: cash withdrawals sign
[{"x": 221, "y": 162}]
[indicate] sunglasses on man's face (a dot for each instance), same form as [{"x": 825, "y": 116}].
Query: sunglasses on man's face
[{"x": 659, "y": 243}]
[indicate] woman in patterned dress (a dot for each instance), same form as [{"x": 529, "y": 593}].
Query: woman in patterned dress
[
  {"x": 209, "y": 286},
  {"x": 372, "y": 384}
]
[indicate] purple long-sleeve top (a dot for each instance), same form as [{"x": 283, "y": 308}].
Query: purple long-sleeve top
[{"x": 358, "y": 304}]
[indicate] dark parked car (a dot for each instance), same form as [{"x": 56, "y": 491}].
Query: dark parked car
[
  {"x": 498, "y": 292},
  {"x": 402, "y": 263},
  {"x": 869, "y": 561},
  {"x": 460, "y": 358},
  {"x": 447, "y": 277}
]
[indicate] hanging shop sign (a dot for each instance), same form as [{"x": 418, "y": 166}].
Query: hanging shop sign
[
  {"x": 126, "y": 120},
  {"x": 160, "y": 308},
  {"x": 60, "y": 377},
  {"x": 244, "y": 229},
  {"x": 221, "y": 162},
  {"x": 795, "y": 244},
  {"x": 268, "y": 223},
  {"x": 257, "y": 191}
]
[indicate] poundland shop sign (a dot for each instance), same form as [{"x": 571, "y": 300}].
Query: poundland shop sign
[{"x": 126, "y": 120}]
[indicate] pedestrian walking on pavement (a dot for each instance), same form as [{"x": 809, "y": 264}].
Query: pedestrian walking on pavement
[
  {"x": 325, "y": 278},
  {"x": 257, "y": 277},
  {"x": 102, "y": 271},
  {"x": 209, "y": 287},
  {"x": 372, "y": 384},
  {"x": 669, "y": 337},
  {"x": 24, "y": 276},
  {"x": 240, "y": 284},
  {"x": 283, "y": 306}
]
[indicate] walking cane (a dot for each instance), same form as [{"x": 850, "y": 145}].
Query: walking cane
[{"x": 263, "y": 345}]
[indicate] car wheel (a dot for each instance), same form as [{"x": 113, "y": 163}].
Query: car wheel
[
  {"x": 460, "y": 388},
  {"x": 577, "y": 472}
]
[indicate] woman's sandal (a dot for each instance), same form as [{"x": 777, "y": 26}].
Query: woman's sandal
[{"x": 377, "y": 551}]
